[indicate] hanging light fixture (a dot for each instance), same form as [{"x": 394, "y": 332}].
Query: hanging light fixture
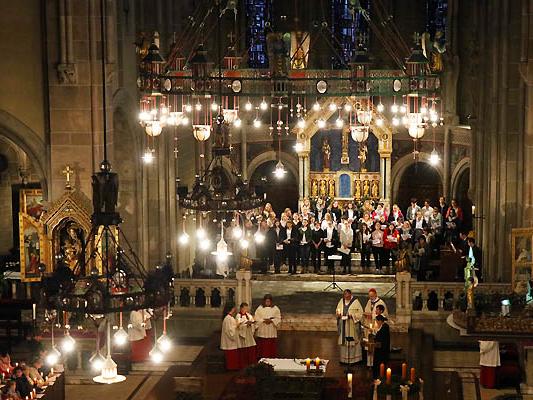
[
  {"x": 68, "y": 344},
  {"x": 279, "y": 171},
  {"x": 434, "y": 157},
  {"x": 359, "y": 133},
  {"x": 221, "y": 252},
  {"x": 148, "y": 156},
  {"x": 108, "y": 374},
  {"x": 163, "y": 342},
  {"x": 201, "y": 132},
  {"x": 97, "y": 361},
  {"x": 120, "y": 338}
]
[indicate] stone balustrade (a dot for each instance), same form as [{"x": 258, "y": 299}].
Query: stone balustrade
[{"x": 213, "y": 293}]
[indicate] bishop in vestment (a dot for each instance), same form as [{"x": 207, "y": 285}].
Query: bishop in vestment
[{"x": 349, "y": 315}]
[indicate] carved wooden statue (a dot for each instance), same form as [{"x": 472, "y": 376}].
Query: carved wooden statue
[{"x": 326, "y": 155}]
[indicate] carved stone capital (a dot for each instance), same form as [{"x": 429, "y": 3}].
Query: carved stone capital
[{"x": 67, "y": 74}]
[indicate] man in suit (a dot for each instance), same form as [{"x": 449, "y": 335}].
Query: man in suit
[
  {"x": 382, "y": 340},
  {"x": 290, "y": 245}
]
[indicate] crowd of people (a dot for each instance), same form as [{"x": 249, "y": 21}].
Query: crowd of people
[
  {"x": 22, "y": 380},
  {"x": 386, "y": 237}
]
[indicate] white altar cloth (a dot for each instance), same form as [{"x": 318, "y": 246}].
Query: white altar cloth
[{"x": 292, "y": 365}]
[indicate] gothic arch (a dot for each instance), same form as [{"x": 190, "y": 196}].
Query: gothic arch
[
  {"x": 288, "y": 160},
  {"x": 403, "y": 163},
  {"x": 30, "y": 142},
  {"x": 459, "y": 169}
]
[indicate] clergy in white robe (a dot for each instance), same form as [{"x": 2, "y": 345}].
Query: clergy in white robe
[
  {"x": 489, "y": 360},
  {"x": 349, "y": 314},
  {"x": 370, "y": 307},
  {"x": 229, "y": 342},
  {"x": 268, "y": 319},
  {"x": 140, "y": 335},
  {"x": 246, "y": 341}
]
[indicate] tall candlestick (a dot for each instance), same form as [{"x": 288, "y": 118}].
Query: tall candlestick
[
  {"x": 34, "y": 312},
  {"x": 413, "y": 375},
  {"x": 377, "y": 382},
  {"x": 389, "y": 376},
  {"x": 349, "y": 378},
  {"x": 404, "y": 371},
  {"x": 381, "y": 370},
  {"x": 317, "y": 363}
]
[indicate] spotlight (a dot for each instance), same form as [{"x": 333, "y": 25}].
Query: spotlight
[
  {"x": 321, "y": 123},
  {"x": 263, "y": 105},
  {"x": 164, "y": 343},
  {"x": 183, "y": 239},
  {"x": 257, "y": 123},
  {"x": 148, "y": 156},
  {"x": 200, "y": 233},
  {"x": 380, "y": 107},
  {"x": 248, "y": 106},
  {"x": 339, "y": 123},
  {"x": 316, "y": 106},
  {"x": 120, "y": 337}
]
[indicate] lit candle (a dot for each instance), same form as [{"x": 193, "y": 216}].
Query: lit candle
[
  {"x": 317, "y": 362},
  {"x": 413, "y": 375},
  {"x": 404, "y": 371},
  {"x": 381, "y": 369},
  {"x": 308, "y": 363},
  {"x": 389, "y": 376},
  {"x": 349, "y": 378},
  {"x": 473, "y": 210},
  {"x": 34, "y": 311},
  {"x": 52, "y": 371}
]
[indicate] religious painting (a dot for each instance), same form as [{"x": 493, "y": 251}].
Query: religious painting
[
  {"x": 522, "y": 262},
  {"x": 69, "y": 240},
  {"x": 31, "y": 203},
  {"x": 31, "y": 248}
]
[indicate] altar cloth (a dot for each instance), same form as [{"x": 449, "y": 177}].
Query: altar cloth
[{"x": 292, "y": 365}]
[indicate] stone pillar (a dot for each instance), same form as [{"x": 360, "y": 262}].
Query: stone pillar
[
  {"x": 403, "y": 298},
  {"x": 301, "y": 177},
  {"x": 239, "y": 296},
  {"x": 244, "y": 155},
  {"x": 385, "y": 151},
  {"x": 248, "y": 288},
  {"x": 527, "y": 386},
  {"x": 307, "y": 180},
  {"x": 446, "y": 190}
]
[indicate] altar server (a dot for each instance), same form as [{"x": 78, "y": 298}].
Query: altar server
[
  {"x": 489, "y": 360},
  {"x": 349, "y": 313},
  {"x": 268, "y": 318},
  {"x": 140, "y": 335},
  {"x": 229, "y": 342},
  {"x": 246, "y": 341}
]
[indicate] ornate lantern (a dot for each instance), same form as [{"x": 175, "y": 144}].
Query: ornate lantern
[
  {"x": 201, "y": 132},
  {"x": 417, "y": 65},
  {"x": 151, "y": 65},
  {"x": 359, "y": 133},
  {"x": 201, "y": 71},
  {"x": 360, "y": 64}
]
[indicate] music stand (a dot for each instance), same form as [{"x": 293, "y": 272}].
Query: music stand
[
  {"x": 333, "y": 285},
  {"x": 350, "y": 341}
]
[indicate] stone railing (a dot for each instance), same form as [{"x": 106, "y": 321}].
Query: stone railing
[
  {"x": 213, "y": 293},
  {"x": 414, "y": 297}
]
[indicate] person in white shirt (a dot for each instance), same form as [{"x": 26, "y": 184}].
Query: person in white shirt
[
  {"x": 489, "y": 360},
  {"x": 268, "y": 319},
  {"x": 346, "y": 240},
  {"x": 140, "y": 335},
  {"x": 331, "y": 237},
  {"x": 373, "y": 301},
  {"x": 246, "y": 342},
  {"x": 229, "y": 342},
  {"x": 427, "y": 210},
  {"x": 349, "y": 313}
]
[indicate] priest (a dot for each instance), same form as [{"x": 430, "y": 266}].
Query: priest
[
  {"x": 370, "y": 308},
  {"x": 349, "y": 313},
  {"x": 268, "y": 318},
  {"x": 228, "y": 338},
  {"x": 246, "y": 341}
]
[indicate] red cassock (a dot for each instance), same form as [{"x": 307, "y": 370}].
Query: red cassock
[
  {"x": 233, "y": 361},
  {"x": 267, "y": 347},
  {"x": 140, "y": 349},
  {"x": 487, "y": 377},
  {"x": 247, "y": 356}
]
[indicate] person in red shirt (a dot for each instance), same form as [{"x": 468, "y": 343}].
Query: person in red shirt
[{"x": 391, "y": 239}]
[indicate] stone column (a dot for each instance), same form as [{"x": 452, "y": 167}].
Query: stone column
[
  {"x": 385, "y": 151},
  {"x": 301, "y": 177},
  {"x": 307, "y": 181},
  {"x": 446, "y": 190},
  {"x": 403, "y": 298},
  {"x": 239, "y": 275},
  {"x": 248, "y": 288}
]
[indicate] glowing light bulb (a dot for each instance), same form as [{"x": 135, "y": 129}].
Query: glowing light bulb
[
  {"x": 198, "y": 106},
  {"x": 156, "y": 355},
  {"x": 205, "y": 244},
  {"x": 380, "y": 107},
  {"x": 183, "y": 239},
  {"x": 244, "y": 244},
  {"x": 97, "y": 361},
  {"x": 299, "y": 147},
  {"x": 214, "y": 106},
  {"x": 423, "y": 110},
  {"x": 185, "y": 121},
  {"x": 164, "y": 343},
  {"x": 339, "y": 123},
  {"x": 347, "y": 107},
  {"x": 52, "y": 357},
  {"x": 259, "y": 238},
  {"x": 248, "y": 106},
  {"x": 379, "y": 122},
  {"x": 394, "y": 108},
  {"x": 433, "y": 116},
  {"x": 68, "y": 343},
  {"x": 301, "y": 123},
  {"x": 395, "y": 121},
  {"x": 144, "y": 116},
  {"x": 188, "y": 108},
  {"x": 316, "y": 106},
  {"x": 263, "y": 105},
  {"x": 237, "y": 232},
  {"x": 321, "y": 123},
  {"x": 332, "y": 106},
  {"x": 120, "y": 337},
  {"x": 201, "y": 233},
  {"x": 403, "y": 109},
  {"x": 434, "y": 157},
  {"x": 237, "y": 123},
  {"x": 257, "y": 123},
  {"x": 405, "y": 120},
  {"x": 148, "y": 157}
]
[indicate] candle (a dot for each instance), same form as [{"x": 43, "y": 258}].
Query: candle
[
  {"x": 413, "y": 375},
  {"x": 381, "y": 369},
  {"x": 52, "y": 371},
  {"x": 389, "y": 376},
  {"x": 404, "y": 371},
  {"x": 473, "y": 210},
  {"x": 34, "y": 311},
  {"x": 349, "y": 378},
  {"x": 308, "y": 363},
  {"x": 317, "y": 362}
]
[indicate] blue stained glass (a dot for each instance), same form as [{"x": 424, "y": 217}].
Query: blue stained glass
[{"x": 258, "y": 13}]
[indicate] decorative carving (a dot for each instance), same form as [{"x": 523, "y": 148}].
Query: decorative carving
[
  {"x": 328, "y": 184},
  {"x": 374, "y": 190},
  {"x": 366, "y": 189},
  {"x": 67, "y": 74},
  {"x": 314, "y": 188},
  {"x": 331, "y": 188},
  {"x": 326, "y": 155},
  {"x": 345, "y": 159},
  {"x": 363, "y": 151}
]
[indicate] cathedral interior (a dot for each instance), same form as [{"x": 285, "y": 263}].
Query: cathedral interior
[{"x": 164, "y": 161}]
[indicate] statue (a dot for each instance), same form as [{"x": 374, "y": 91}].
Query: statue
[
  {"x": 314, "y": 188},
  {"x": 375, "y": 189},
  {"x": 403, "y": 263},
  {"x": 326, "y": 155},
  {"x": 471, "y": 282},
  {"x": 105, "y": 190},
  {"x": 363, "y": 150},
  {"x": 71, "y": 246},
  {"x": 357, "y": 189},
  {"x": 323, "y": 189},
  {"x": 366, "y": 189},
  {"x": 332, "y": 188},
  {"x": 345, "y": 159}
]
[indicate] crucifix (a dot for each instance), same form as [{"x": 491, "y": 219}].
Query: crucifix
[{"x": 67, "y": 172}]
